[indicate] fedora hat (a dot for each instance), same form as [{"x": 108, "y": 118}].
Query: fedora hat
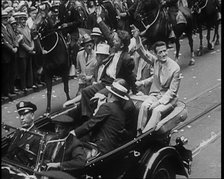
[
  {"x": 86, "y": 39},
  {"x": 12, "y": 20},
  {"x": 118, "y": 90},
  {"x": 4, "y": 14},
  {"x": 32, "y": 9},
  {"x": 9, "y": 9},
  {"x": 96, "y": 32},
  {"x": 103, "y": 49}
]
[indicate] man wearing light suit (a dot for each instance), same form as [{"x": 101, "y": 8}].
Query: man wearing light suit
[{"x": 166, "y": 80}]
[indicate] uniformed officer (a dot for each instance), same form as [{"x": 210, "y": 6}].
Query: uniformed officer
[{"x": 24, "y": 145}]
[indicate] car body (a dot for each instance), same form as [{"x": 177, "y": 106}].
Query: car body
[{"x": 148, "y": 155}]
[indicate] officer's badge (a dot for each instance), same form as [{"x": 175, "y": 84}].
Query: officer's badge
[
  {"x": 21, "y": 104},
  {"x": 69, "y": 13},
  {"x": 27, "y": 147}
]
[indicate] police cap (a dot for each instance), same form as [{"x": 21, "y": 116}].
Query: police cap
[{"x": 24, "y": 107}]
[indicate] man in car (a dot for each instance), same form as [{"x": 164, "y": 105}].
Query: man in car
[
  {"x": 64, "y": 151},
  {"x": 105, "y": 131},
  {"x": 24, "y": 146},
  {"x": 165, "y": 84},
  {"x": 119, "y": 64},
  {"x": 107, "y": 127}
]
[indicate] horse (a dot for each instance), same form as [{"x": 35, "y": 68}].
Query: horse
[
  {"x": 151, "y": 19},
  {"x": 205, "y": 14},
  {"x": 55, "y": 57}
]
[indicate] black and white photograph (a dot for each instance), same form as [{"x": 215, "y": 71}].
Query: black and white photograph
[{"x": 111, "y": 89}]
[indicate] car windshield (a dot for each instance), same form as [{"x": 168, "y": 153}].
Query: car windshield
[{"x": 21, "y": 148}]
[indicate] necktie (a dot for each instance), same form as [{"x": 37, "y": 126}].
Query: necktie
[{"x": 57, "y": 148}]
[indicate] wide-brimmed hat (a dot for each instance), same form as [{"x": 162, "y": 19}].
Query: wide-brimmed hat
[
  {"x": 9, "y": 9},
  {"x": 25, "y": 107},
  {"x": 86, "y": 39},
  {"x": 20, "y": 15},
  {"x": 32, "y": 9},
  {"x": 12, "y": 20},
  {"x": 103, "y": 49},
  {"x": 63, "y": 120},
  {"x": 96, "y": 32},
  {"x": 4, "y": 14},
  {"x": 118, "y": 90}
]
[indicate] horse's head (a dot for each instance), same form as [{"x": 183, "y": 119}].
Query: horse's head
[{"x": 144, "y": 6}]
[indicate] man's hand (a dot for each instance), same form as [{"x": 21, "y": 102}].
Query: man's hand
[
  {"x": 53, "y": 165},
  {"x": 64, "y": 25},
  {"x": 101, "y": 101},
  {"x": 15, "y": 50},
  {"x": 98, "y": 13},
  {"x": 135, "y": 31},
  {"x": 155, "y": 104},
  {"x": 98, "y": 96},
  {"x": 140, "y": 93},
  {"x": 139, "y": 83}
]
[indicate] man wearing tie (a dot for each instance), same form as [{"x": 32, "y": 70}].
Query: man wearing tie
[
  {"x": 64, "y": 150},
  {"x": 119, "y": 64},
  {"x": 24, "y": 145},
  {"x": 166, "y": 81}
]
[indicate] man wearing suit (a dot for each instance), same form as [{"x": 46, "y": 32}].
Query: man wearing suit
[
  {"x": 64, "y": 151},
  {"x": 24, "y": 146},
  {"x": 166, "y": 80},
  {"x": 105, "y": 131},
  {"x": 107, "y": 127},
  {"x": 69, "y": 20},
  {"x": 26, "y": 49},
  {"x": 119, "y": 64},
  {"x": 10, "y": 48}
]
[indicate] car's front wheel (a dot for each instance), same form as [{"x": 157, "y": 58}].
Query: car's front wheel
[{"x": 162, "y": 171}]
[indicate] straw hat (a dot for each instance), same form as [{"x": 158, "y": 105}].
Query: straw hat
[
  {"x": 118, "y": 90},
  {"x": 86, "y": 39},
  {"x": 96, "y": 32},
  {"x": 103, "y": 49}
]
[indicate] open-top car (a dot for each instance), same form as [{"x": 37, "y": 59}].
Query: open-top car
[{"x": 148, "y": 155}]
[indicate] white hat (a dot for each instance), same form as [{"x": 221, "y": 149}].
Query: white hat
[
  {"x": 118, "y": 90},
  {"x": 103, "y": 49},
  {"x": 9, "y": 9},
  {"x": 96, "y": 32}
]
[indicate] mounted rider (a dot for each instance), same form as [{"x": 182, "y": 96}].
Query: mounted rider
[
  {"x": 178, "y": 12},
  {"x": 69, "y": 21}
]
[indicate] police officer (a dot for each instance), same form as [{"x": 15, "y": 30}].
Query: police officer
[
  {"x": 69, "y": 20},
  {"x": 24, "y": 146}
]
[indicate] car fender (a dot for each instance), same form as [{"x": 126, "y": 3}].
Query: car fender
[{"x": 168, "y": 154}]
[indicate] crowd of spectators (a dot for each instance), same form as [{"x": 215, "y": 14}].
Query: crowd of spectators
[
  {"x": 21, "y": 61},
  {"x": 19, "y": 58}
]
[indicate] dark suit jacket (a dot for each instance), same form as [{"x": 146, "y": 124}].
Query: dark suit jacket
[
  {"x": 69, "y": 15},
  {"x": 71, "y": 154},
  {"x": 24, "y": 141},
  {"x": 125, "y": 65},
  {"x": 107, "y": 127},
  {"x": 9, "y": 42}
]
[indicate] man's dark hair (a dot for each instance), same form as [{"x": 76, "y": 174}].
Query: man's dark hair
[
  {"x": 125, "y": 38},
  {"x": 158, "y": 44}
]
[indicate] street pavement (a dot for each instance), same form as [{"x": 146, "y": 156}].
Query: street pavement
[{"x": 200, "y": 87}]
